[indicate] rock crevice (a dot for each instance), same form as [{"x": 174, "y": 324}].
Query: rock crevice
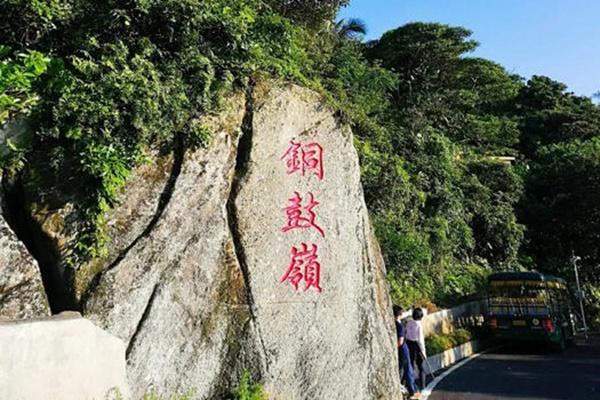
[
  {"x": 140, "y": 323},
  {"x": 163, "y": 201},
  {"x": 240, "y": 169},
  {"x": 40, "y": 246}
]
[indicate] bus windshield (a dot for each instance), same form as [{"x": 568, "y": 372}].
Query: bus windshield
[{"x": 535, "y": 295}]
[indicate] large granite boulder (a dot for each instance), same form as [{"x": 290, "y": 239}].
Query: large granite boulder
[{"x": 252, "y": 253}]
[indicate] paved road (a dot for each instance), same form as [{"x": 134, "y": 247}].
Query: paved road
[{"x": 522, "y": 373}]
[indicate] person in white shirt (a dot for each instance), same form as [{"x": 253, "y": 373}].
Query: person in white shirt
[{"x": 416, "y": 344}]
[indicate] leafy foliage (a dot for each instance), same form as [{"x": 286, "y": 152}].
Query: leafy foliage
[
  {"x": 129, "y": 76},
  {"x": 17, "y": 76},
  {"x": 311, "y": 12},
  {"x": 593, "y": 303},
  {"x": 444, "y": 207},
  {"x": 456, "y": 210},
  {"x": 560, "y": 141},
  {"x": 247, "y": 391},
  {"x": 439, "y": 343},
  {"x": 562, "y": 204},
  {"x": 351, "y": 28}
]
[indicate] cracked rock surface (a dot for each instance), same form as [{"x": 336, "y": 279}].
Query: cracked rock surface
[{"x": 177, "y": 297}]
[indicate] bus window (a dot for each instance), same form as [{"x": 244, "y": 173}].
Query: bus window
[{"x": 524, "y": 300}]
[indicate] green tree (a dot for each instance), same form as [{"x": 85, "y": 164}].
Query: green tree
[
  {"x": 562, "y": 207},
  {"x": 560, "y": 139},
  {"x": 449, "y": 117},
  {"x": 309, "y": 12},
  {"x": 551, "y": 115}
]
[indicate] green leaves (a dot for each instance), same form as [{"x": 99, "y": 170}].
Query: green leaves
[
  {"x": 438, "y": 343},
  {"x": 112, "y": 108},
  {"x": 561, "y": 206},
  {"x": 126, "y": 77},
  {"x": 17, "y": 77},
  {"x": 248, "y": 391},
  {"x": 560, "y": 140},
  {"x": 18, "y": 98},
  {"x": 447, "y": 213}
]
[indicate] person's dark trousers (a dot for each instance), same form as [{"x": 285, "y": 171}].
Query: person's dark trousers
[
  {"x": 407, "y": 377},
  {"x": 416, "y": 358}
]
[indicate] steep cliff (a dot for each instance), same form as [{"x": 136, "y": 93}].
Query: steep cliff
[{"x": 252, "y": 253}]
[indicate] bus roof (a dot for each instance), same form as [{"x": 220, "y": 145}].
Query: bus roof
[{"x": 525, "y": 276}]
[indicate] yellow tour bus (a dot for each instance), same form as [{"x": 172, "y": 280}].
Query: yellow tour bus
[{"x": 530, "y": 306}]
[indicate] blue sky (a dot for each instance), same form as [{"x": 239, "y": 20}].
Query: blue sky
[{"x": 557, "y": 38}]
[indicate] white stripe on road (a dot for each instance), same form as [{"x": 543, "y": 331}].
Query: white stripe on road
[{"x": 429, "y": 388}]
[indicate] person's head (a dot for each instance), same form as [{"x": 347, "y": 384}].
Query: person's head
[
  {"x": 397, "y": 311},
  {"x": 417, "y": 314}
]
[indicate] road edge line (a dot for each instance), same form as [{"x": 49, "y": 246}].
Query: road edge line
[{"x": 429, "y": 388}]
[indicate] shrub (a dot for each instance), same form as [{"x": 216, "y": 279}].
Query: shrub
[
  {"x": 593, "y": 305},
  {"x": 17, "y": 76},
  {"x": 125, "y": 77},
  {"x": 461, "y": 336},
  {"x": 247, "y": 391},
  {"x": 439, "y": 343}
]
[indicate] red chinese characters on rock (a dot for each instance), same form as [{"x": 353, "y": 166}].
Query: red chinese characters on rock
[
  {"x": 304, "y": 267},
  {"x": 304, "y": 158},
  {"x": 302, "y": 217}
]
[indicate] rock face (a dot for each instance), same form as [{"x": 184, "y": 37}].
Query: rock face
[
  {"x": 332, "y": 343},
  {"x": 197, "y": 284},
  {"x": 177, "y": 297},
  {"x": 22, "y": 293}
]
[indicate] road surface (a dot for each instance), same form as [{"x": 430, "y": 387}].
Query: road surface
[{"x": 518, "y": 372}]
